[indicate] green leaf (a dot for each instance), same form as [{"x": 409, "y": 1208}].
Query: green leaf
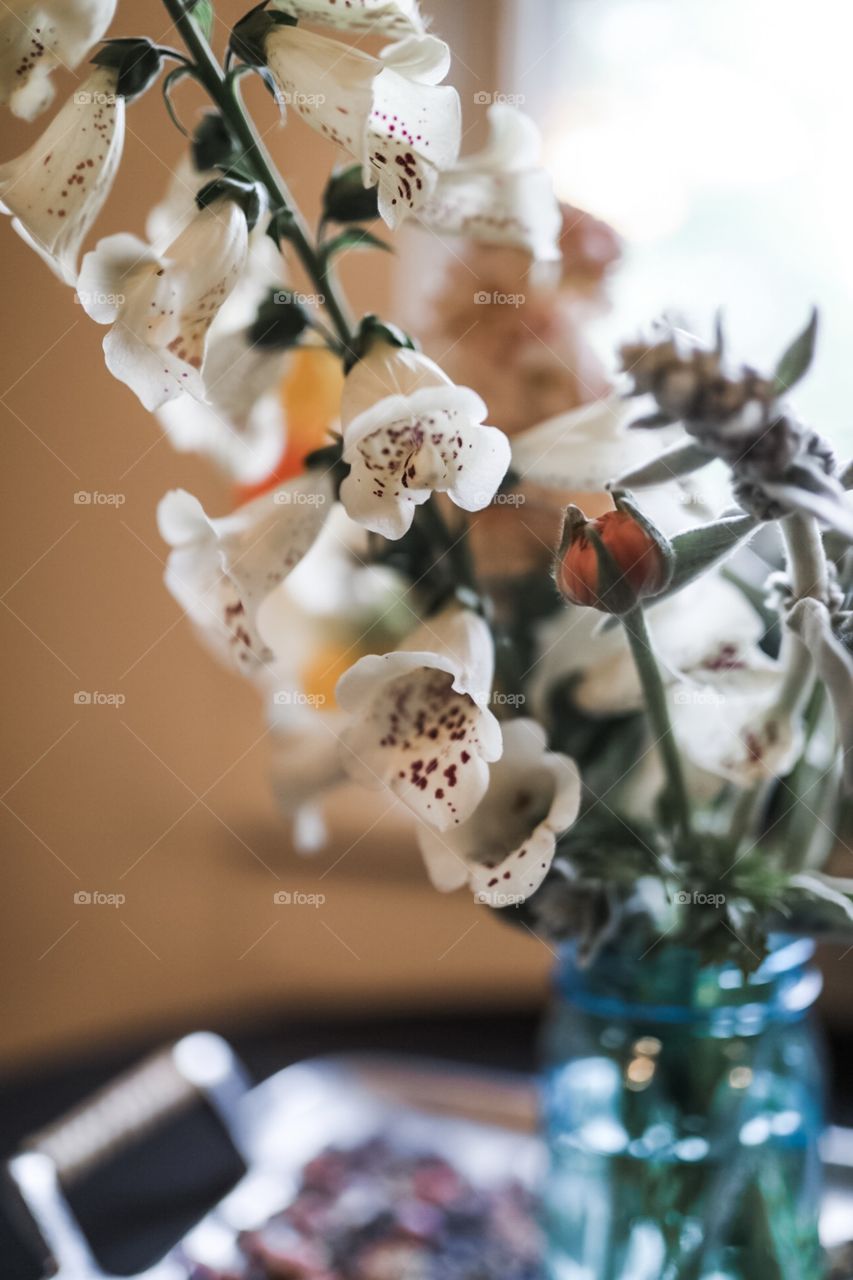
[
  {"x": 204, "y": 17},
  {"x": 698, "y": 550},
  {"x": 827, "y": 888},
  {"x": 354, "y": 238},
  {"x": 214, "y": 145},
  {"x": 794, "y": 363},
  {"x": 680, "y": 460},
  {"x": 346, "y": 199},
  {"x": 812, "y": 622}
]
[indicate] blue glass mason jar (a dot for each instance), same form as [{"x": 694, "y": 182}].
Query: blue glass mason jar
[{"x": 682, "y": 1107}]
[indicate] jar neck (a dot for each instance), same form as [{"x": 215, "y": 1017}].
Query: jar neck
[{"x": 670, "y": 984}]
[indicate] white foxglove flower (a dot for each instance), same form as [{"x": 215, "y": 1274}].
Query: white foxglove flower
[
  {"x": 410, "y": 432},
  {"x": 585, "y": 449},
  {"x": 222, "y": 570},
  {"x": 395, "y": 18},
  {"x": 162, "y": 306},
  {"x": 391, "y": 113},
  {"x": 36, "y": 37},
  {"x": 420, "y": 722},
  {"x": 708, "y": 626},
  {"x": 501, "y": 195},
  {"x": 504, "y": 850},
  {"x": 728, "y": 723},
  {"x": 56, "y": 189}
]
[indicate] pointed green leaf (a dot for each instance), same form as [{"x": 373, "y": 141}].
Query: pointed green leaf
[
  {"x": 680, "y": 460},
  {"x": 698, "y": 550},
  {"x": 354, "y": 238},
  {"x": 794, "y": 363},
  {"x": 204, "y": 17}
]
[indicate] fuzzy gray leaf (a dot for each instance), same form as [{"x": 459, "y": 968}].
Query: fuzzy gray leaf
[
  {"x": 794, "y": 363},
  {"x": 698, "y": 550},
  {"x": 680, "y": 460}
]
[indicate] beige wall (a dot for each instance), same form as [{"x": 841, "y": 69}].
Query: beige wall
[{"x": 165, "y": 799}]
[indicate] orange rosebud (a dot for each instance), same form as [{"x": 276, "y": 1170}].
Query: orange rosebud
[{"x": 612, "y": 562}]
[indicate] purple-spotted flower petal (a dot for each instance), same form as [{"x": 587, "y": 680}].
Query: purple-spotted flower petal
[
  {"x": 37, "y": 37},
  {"x": 222, "y": 570},
  {"x": 161, "y": 307},
  {"x": 504, "y": 850},
  {"x": 390, "y": 113},
  {"x": 57, "y": 188},
  {"x": 500, "y": 195},
  {"x": 410, "y": 432},
  {"x": 420, "y": 722}
]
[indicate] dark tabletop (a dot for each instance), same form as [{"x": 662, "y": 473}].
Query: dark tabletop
[{"x": 142, "y": 1203}]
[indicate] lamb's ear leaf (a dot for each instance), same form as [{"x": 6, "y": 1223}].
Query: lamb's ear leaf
[
  {"x": 697, "y": 550},
  {"x": 680, "y": 460},
  {"x": 811, "y": 621},
  {"x": 794, "y": 363}
]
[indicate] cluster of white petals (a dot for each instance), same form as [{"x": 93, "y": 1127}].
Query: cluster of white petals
[{"x": 39, "y": 36}]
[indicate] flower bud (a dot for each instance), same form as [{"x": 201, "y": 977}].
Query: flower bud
[{"x": 612, "y": 562}]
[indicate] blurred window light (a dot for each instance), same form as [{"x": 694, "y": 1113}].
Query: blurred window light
[{"x": 713, "y": 134}]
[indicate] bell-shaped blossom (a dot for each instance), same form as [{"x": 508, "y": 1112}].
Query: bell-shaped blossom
[
  {"x": 500, "y": 195},
  {"x": 420, "y": 723},
  {"x": 395, "y": 18},
  {"x": 161, "y": 307},
  {"x": 729, "y": 723},
  {"x": 390, "y": 113},
  {"x": 410, "y": 432},
  {"x": 582, "y": 451},
  {"x": 707, "y": 627},
  {"x": 57, "y": 188},
  {"x": 222, "y": 570},
  {"x": 504, "y": 850},
  {"x": 36, "y": 37}
]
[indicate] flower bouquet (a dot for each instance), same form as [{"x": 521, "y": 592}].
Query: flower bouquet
[{"x": 633, "y": 741}]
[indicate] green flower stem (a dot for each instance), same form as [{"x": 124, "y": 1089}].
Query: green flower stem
[
  {"x": 654, "y": 693},
  {"x": 224, "y": 91}
]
